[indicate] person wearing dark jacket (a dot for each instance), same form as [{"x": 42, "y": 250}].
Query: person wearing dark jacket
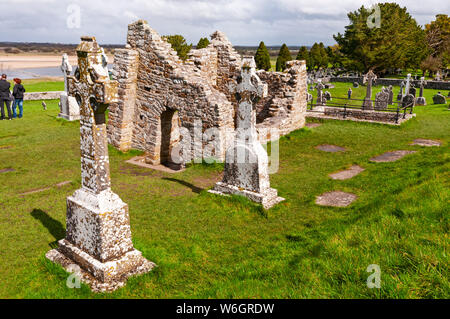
[
  {"x": 18, "y": 92},
  {"x": 5, "y": 97}
]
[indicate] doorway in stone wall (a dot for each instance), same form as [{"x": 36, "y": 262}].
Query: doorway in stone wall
[{"x": 170, "y": 137}]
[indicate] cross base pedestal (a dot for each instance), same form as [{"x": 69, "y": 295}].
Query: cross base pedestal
[
  {"x": 98, "y": 241},
  {"x": 268, "y": 199},
  {"x": 98, "y": 275}
]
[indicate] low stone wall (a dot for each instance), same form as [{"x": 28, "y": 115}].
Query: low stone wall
[
  {"x": 35, "y": 96},
  {"x": 366, "y": 115},
  {"x": 435, "y": 85}
]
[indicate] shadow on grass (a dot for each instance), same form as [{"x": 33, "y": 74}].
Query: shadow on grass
[
  {"x": 194, "y": 188},
  {"x": 54, "y": 226}
]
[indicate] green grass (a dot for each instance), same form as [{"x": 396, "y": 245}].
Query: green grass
[
  {"x": 41, "y": 85},
  {"x": 208, "y": 246}
]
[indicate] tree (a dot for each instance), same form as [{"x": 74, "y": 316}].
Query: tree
[
  {"x": 315, "y": 55},
  {"x": 399, "y": 42},
  {"x": 283, "y": 56},
  {"x": 303, "y": 54},
  {"x": 262, "y": 57},
  {"x": 179, "y": 44},
  {"x": 202, "y": 43},
  {"x": 438, "y": 38},
  {"x": 430, "y": 64}
]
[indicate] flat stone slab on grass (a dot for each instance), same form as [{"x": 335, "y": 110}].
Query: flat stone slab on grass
[
  {"x": 6, "y": 170},
  {"x": 140, "y": 161},
  {"x": 391, "y": 156},
  {"x": 348, "y": 173},
  {"x": 425, "y": 142},
  {"x": 336, "y": 199},
  {"x": 311, "y": 125},
  {"x": 330, "y": 148}
]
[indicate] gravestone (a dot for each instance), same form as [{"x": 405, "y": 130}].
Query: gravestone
[
  {"x": 408, "y": 101},
  {"x": 98, "y": 235},
  {"x": 355, "y": 84},
  {"x": 246, "y": 162},
  {"x": 369, "y": 78},
  {"x": 421, "y": 99},
  {"x": 69, "y": 108},
  {"x": 382, "y": 99},
  {"x": 321, "y": 100},
  {"x": 391, "y": 95},
  {"x": 412, "y": 90},
  {"x": 400, "y": 93},
  {"x": 439, "y": 99},
  {"x": 327, "y": 95}
]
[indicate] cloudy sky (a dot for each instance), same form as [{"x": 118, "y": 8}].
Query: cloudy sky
[{"x": 246, "y": 22}]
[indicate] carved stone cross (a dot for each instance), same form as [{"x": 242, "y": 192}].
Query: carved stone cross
[
  {"x": 248, "y": 91},
  {"x": 408, "y": 84},
  {"x": 320, "y": 98},
  {"x": 98, "y": 234},
  {"x": 369, "y": 78},
  {"x": 66, "y": 69},
  {"x": 422, "y": 85},
  {"x": 93, "y": 91}
]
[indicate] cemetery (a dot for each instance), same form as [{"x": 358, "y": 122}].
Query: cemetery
[{"x": 209, "y": 177}]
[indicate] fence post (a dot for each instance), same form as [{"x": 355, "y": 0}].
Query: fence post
[{"x": 398, "y": 114}]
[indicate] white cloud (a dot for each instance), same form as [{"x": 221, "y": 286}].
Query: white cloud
[{"x": 246, "y": 22}]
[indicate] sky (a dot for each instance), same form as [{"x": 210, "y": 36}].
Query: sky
[{"x": 245, "y": 22}]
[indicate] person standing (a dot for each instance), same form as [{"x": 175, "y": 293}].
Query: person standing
[
  {"x": 349, "y": 93},
  {"x": 5, "y": 97},
  {"x": 18, "y": 92}
]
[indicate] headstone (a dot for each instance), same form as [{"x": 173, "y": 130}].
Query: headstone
[
  {"x": 98, "y": 235},
  {"x": 69, "y": 108},
  {"x": 44, "y": 106},
  {"x": 370, "y": 77},
  {"x": 400, "y": 94},
  {"x": 327, "y": 95},
  {"x": 355, "y": 84},
  {"x": 382, "y": 99},
  {"x": 412, "y": 90},
  {"x": 408, "y": 84},
  {"x": 438, "y": 76},
  {"x": 421, "y": 99},
  {"x": 391, "y": 95},
  {"x": 321, "y": 100},
  {"x": 246, "y": 163},
  {"x": 408, "y": 101},
  {"x": 439, "y": 99}
]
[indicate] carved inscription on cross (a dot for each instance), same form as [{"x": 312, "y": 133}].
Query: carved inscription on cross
[
  {"x": 94, "y": 91},
  {"x": 248, "y": 91}
]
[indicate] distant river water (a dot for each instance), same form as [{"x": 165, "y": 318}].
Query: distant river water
[{"x": 36, "y": 73}]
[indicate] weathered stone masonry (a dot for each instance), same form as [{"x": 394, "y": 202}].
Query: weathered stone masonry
[{"x": 159, "y": 93}]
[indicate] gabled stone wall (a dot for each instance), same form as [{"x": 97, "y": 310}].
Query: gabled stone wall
[{"x": 156, "y": 88}]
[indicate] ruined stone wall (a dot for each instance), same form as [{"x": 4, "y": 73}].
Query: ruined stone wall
[
  {"x": 285, "y": 106},
  {"x": 163, "y": 83},
  {"x": 154, "y": 82}
]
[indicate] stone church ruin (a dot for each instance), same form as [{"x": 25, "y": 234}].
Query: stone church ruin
[{"x": 160, "y": 95}]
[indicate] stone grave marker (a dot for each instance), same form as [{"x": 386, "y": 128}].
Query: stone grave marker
[
  {"x": 98, "y": 234},
  {"x": 69, "y": 108},
  {"x": 246, "y": 161}
]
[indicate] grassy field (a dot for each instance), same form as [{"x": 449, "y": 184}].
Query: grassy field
[
  {"x": 41, "y": 85},
  {"x": 208, "y": 246}
]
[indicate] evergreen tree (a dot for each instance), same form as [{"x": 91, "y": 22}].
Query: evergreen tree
[
  {"x": 262, "y": 57},
  {"x": 302, "y": 54},
  {"x": 315, "y": 55},
  {"x": 399, "y": 42},
  {"x": 283, "y": 56},
  {"x": 179, "y": 44},
  {"x": 202, "y": 43}
]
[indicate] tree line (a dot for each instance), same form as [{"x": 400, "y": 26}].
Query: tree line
[{"x": 398, "y": 43}]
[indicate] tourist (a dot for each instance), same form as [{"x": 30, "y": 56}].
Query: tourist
[
  {"x": 349, "y": 93},
  {"x": 18, "y": 92},
  {"x": 5, "y": 97}
]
